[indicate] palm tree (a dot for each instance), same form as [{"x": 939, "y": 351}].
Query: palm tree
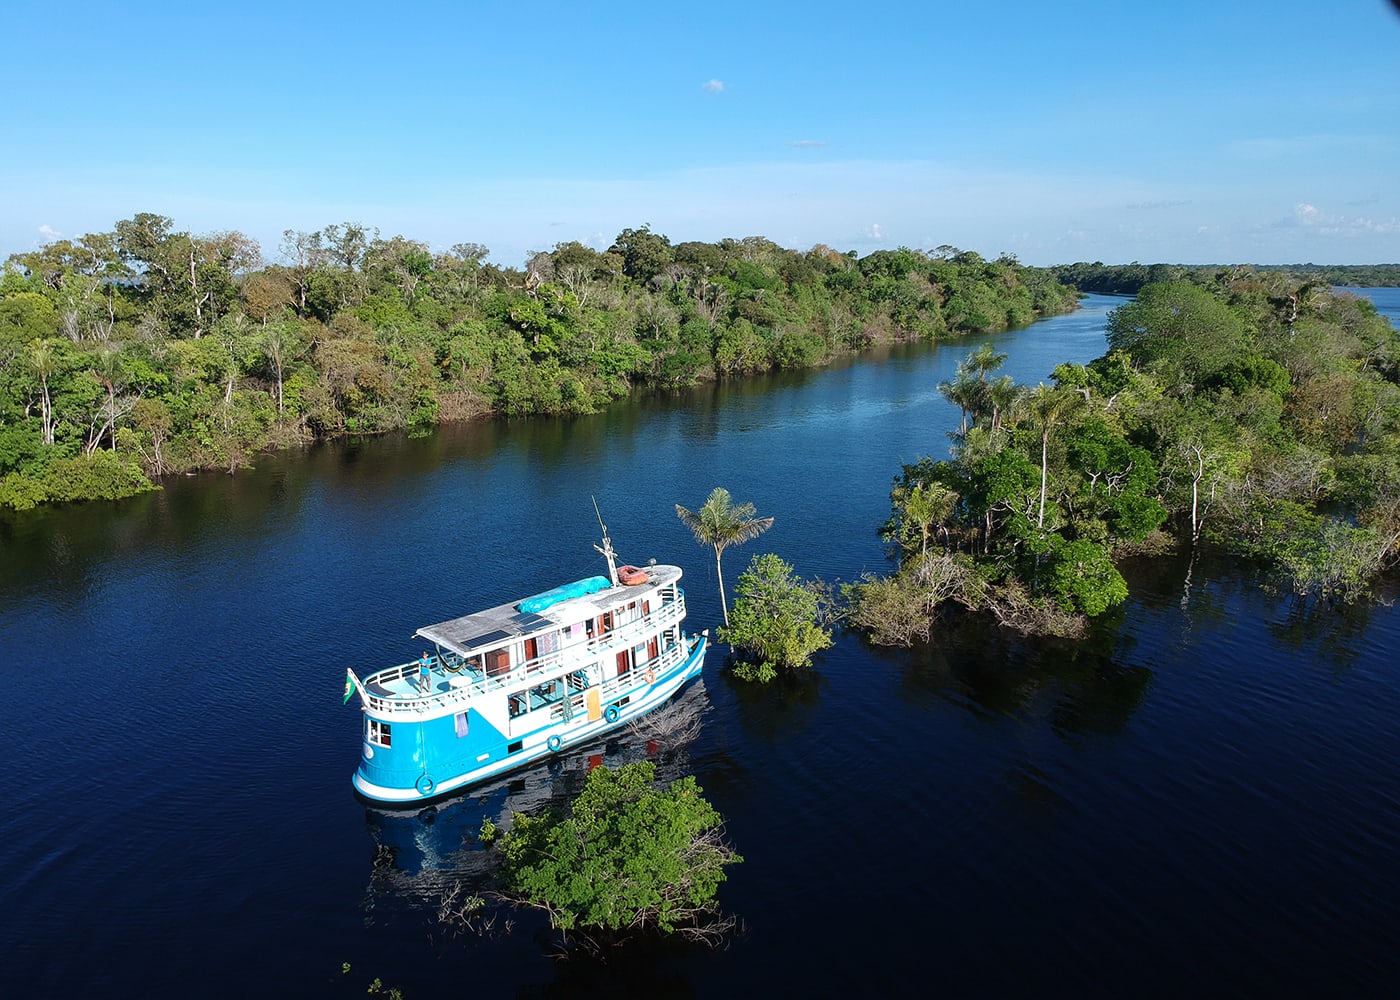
[
  {"x": 985, "y": 359},
  {"x": 1002, "y": 395},
  {"x": 721, "y": 523},
  {"x": 966, "y": 393}
]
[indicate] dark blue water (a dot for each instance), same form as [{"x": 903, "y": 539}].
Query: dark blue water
[{"x": 1202, "y": 795}]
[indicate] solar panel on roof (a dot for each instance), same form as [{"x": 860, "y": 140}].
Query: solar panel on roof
[{"x": 489, "y": 638}]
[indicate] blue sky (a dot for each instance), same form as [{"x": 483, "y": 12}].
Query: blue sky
[{"x": 1191, "y": 132}]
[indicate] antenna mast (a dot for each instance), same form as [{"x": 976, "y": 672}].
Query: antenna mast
[{"x": 606, "y": 548}]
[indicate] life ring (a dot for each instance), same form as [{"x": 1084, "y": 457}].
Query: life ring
[
  {"x": 632, "y": 576},
  {"x": 554, "y": 742},
  {"x": 650, "y": 677},
  {"x": 424, "y": 784},
  {"x": 611, "y": 713}
]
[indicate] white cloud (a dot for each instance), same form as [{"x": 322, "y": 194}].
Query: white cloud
[
  {"x": 712, "y": 86},
  {"x": 1325, "y": 223},
  {"x": 807, "y": 142},
  {"x": 50, "y": 233},
  {"x": 874, "y": 232}
]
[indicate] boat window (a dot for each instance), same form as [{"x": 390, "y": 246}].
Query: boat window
[
  {"x": 623, "y": 663},
  {"x": 460, "y": 720},
  {"x": 377, "y": 732}
]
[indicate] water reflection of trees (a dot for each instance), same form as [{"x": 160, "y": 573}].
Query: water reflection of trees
[
  {"x": 1331, "y": 634},
  {"x": 1084, "y": 687},
  {"x": 773, "y": 713}
]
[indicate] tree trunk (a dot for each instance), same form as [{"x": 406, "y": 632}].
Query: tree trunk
[
  {"x": 719, "y": 572},
  {"x": 1044, "y": 448},
  {"x": 48, "y": 410}
]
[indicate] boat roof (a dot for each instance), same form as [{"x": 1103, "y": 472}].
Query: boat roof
[{"x": 493, "y": 627}]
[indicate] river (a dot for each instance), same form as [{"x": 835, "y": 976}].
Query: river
[{"x": 1201, "y": 796}]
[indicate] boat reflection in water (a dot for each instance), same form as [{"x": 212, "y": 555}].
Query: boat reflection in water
[{"x": 424, "y": 856}]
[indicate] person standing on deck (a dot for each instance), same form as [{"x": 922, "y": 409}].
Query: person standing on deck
[{"x": 425, "y": 680}]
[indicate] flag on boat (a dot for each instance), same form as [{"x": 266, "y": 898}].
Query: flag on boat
[{"x": 351, "y": 683}]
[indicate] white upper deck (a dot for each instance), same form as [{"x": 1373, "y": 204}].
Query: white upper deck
[{"x": 488, "y": 629}]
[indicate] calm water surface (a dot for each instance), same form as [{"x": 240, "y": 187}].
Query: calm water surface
[{"x": 1202, "y": 795}]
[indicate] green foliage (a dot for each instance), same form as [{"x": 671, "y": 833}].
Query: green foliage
[
  {"x": 101, "y": 475},
  {"x": 625, "y": 856},
  {"x": 778, "y": 620},
  {"x": 1257, "y": 412},
  {"x": 1178, "y": 328},
  {"x": 1083, "y": 579},
  {"x": 186, "y": 352}
]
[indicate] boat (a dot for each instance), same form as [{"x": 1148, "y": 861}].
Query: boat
[{"x": 524, "y": 682}]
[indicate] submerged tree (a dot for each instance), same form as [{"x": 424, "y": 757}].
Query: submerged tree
[
  {"x": 626, "y": 856},
  {"x": 720, "y": 523},
  {"x": 779, "y": 620}
]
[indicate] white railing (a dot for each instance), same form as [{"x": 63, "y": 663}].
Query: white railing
[
  {"x": 574, "y": 656},
  {"x": 614, "y": 687}
]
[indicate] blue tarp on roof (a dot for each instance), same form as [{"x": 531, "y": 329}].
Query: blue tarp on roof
[{"x": 550, "y": 598}]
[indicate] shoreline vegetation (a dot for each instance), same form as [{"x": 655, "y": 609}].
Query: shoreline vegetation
[
  {"x": 1255, "y": 408},
  {"x": 146, "y": 351},
  {"x": 1255, "y": 411}
]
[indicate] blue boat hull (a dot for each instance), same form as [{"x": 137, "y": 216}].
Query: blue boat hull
[{"x": 441, "y": 756}]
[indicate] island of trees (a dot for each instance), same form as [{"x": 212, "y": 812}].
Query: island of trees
[
  {"x": 1258, "y": 411},
  {"x": 132, "y": 354}
]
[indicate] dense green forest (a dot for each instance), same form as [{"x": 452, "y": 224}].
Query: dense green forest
[
  {"x": 1129, "y": 279},
  {"x": 144, "y": 351},
  {"x": 1258, "y": 411}
]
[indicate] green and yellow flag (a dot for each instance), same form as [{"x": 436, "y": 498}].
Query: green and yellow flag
[{"x": 351, "y": 683}]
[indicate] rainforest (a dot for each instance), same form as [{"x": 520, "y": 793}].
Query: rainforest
[{"x": 145, "y": 351}]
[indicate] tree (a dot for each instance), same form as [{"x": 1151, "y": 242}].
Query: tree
[
  {"x": 1048, "y": 406},
  {"x": 626, "y": 856},
  {"x": 985, "y": 359},
  {"x": 1002, "y": 395},
  {"x": 1084, "y": 579},
  {"x": 303, "y": 252},
  {"x": 966, "y": 393},
  {"x": 44, "y": 362},
  {"x": 721, "y": 523},
  {"x": 279, "y": 341},
  {"x": 1179, "y": 327},
  {"x": 644, "y": 254},
  {"x": 106, "y": 368},
  {"x": 778, "y": 620},
  {"x": 920, "y": 503}
]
